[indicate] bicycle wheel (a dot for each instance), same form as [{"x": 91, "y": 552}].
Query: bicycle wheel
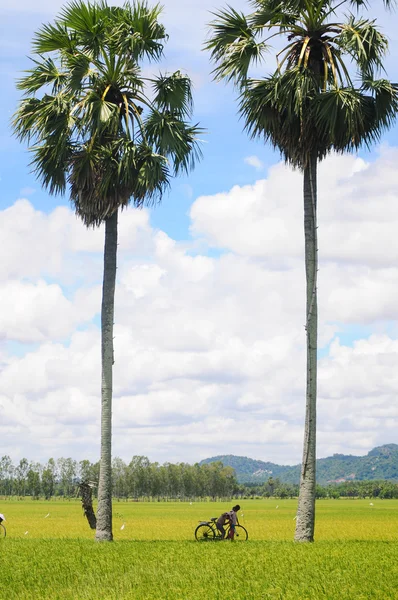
[
  {"x": 3, "y": 532},
  {"x": 204, "y": 533},
  {"x": 241, "y": 534}
]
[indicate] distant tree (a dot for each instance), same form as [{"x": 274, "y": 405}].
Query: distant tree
[
  {"x": 34, "y": 479},
  {"x": 84, "y": 470},
  {"x": 119, "y": 478},
  {"x": 21, "y": 473},
  {"x": 320, "y": 492},
  {"x": 6, "y": 475},
  {"x": 67, "y": 468},
  {"x": 47, "y": 483}
]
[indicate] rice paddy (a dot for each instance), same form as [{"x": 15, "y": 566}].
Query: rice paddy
[{"x": 49, "y": 553}]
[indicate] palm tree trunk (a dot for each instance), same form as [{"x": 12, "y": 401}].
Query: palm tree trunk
[
  {"x": 305, "y": 522},
  {"x": 104, "y": 513}
]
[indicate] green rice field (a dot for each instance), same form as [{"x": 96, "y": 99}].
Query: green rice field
[{"x": 49, "y": 552}]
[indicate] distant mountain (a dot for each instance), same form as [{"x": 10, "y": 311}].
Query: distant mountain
[{"x": 379, "y": 463}]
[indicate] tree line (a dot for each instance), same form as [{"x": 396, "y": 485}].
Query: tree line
[
  {"x": 141, "y": 479},
  {"x": 348, "y": 489},
  {"x": 138, "y": 479}
]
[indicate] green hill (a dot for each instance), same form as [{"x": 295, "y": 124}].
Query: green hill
[{"x": 379, "y": 463}]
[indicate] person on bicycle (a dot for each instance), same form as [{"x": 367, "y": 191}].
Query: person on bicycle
[{"x": 228, "y": 517}]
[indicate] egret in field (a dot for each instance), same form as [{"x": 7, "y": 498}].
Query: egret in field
[
  {"x": 277, "y": 506},
  {"x": 47, "y": 515},
  {"x": 370, "y": 503},
  {"x": 122, "y": 527},
  {"x": 26, "y": 532}
]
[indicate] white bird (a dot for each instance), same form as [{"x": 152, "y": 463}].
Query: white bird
[
  {"x": 47, "y": 515},
  {"x": 190, "y": 503},
  {"x": 26, "y": 532},
  {"x": 122, "y": 527},
  {"x": 370, "y": 503},
  {"x": 294, "y": 518},
  {"x": 277, "y": 506}
]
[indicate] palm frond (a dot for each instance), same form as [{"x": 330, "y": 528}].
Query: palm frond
[
  {"x": 95, "y": 189},
  {"x": 269, "y": 13},
  {"x": 138, "y": 32},
  {"x": 39, "y": 118},
  {"x": 106, "y": 177},
  {"x": 45, "y": 73},
  {"x": 175, "y": 139},
  {"x": 389, "y": 4},
  {"x": 79, "y": 67},
  {"x": 88, "y": 22},
  {"x": 173, "y": 93},
  {"x": 352, "y": 117},
  {"x": 357, "y": 4},
  {"x": 49, "y": 162},
  {"x": 24, "y": 120},
  {"x": 152, "y": 181},
  {"x": 101, "y": 115},
  {"x": 384, "y": 95},
  {"x": 279, "y": 110},
  {"x": 362, "y": 40},
  {"x": 52, "y": 38},
  {"x": 233, "y": 46}
]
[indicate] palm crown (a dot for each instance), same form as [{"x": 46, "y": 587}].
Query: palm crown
[
  {"x": 88, "y": 113},
  {"x": 324, "y": 93}
]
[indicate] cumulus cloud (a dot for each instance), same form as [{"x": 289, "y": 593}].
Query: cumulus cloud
[
  {"x": 209, "y": 347},
  {"x": 29, "y": 312},
  {"x": 255, "y": 162}
]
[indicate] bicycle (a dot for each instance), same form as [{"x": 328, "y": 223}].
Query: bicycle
[
  {"x": 3, "y": 531},
  {"x": 207, "y": 531}
]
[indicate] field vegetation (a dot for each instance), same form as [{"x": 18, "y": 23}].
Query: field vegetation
[{"x": 49, "y": 552}]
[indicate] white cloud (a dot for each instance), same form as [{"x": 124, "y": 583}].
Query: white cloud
[
  {"x": 36, "y": 312},
  {"x": 357, "y": 204},
  {"x": 209, "y": 350},
  {"x": 255, "y": 162},
  {"x": 58, "y": 245}
]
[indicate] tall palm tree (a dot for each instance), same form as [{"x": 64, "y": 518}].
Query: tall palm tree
[
  {"x": 324, "y": 96},
  {"x": 92, "y": 129}
]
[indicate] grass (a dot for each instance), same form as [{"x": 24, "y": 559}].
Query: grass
[{"x": 155, "y": 556}]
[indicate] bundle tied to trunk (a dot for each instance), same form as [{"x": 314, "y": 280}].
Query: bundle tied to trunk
[{"x": 87, "y": 503}]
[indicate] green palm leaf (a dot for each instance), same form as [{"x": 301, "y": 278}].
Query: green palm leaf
[
  {"x": 173, "y": 93},
  {"x": 364, "y": 42},
  {"x": 139, "y": 33},
  {"x": 45, "y": 73},
  {"x": 233, "y": 46},
  {"x": 174, "y": 139}
]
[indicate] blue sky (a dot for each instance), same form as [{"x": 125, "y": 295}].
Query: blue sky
[{"x": 216, "y": 271}]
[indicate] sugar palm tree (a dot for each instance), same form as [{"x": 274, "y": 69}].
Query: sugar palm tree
[
  {"x": 93, "y": 130},
  {"x": 324, "y": 96}
]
